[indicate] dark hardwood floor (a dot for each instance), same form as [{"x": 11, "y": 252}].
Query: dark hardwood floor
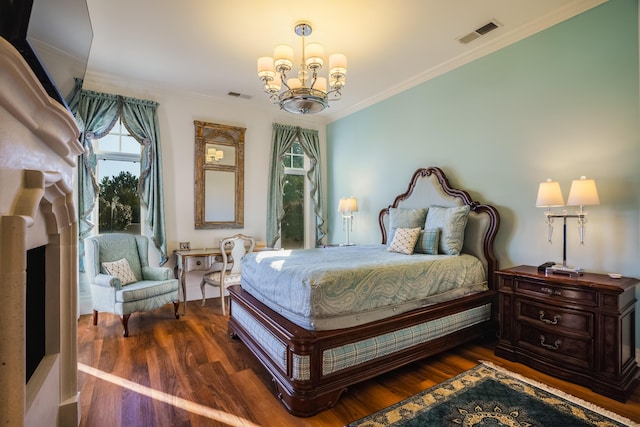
[{"x": 188, "y": 372}]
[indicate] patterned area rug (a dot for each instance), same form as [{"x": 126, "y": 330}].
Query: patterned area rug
[{"x": 488, "y": 395}]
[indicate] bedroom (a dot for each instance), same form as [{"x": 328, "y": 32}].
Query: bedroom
[
  {"x": 559, "y": 104},
  {"x": 537, "y": 109}
]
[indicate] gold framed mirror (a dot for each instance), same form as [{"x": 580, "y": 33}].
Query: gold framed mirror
[{"x": 219, "y": 175}]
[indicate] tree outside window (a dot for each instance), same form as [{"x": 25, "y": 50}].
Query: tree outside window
[{"x": 118, "y": 174}]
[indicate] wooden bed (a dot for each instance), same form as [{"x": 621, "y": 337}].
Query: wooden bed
[{"x": 294, "y": 355}]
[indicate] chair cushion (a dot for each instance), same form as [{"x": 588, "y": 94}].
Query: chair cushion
[
  {"x": 146, "y": 289},
  {"x": 121, "y": 270},
  {"x": 229, "y": 279}
]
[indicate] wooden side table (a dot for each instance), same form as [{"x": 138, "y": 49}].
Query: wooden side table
[
  {"x": 193, "y": 260},
  {"x": 581, "y": 329},
  {"x": 198, "y": 260}
]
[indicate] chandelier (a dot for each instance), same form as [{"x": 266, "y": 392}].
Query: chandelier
[{"x": 306, "y": 93}]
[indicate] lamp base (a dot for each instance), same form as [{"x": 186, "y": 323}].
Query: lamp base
[{"x": 564, "y": 269}]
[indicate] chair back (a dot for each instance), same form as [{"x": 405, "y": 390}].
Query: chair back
[
  {"x": 239, "y": 245},
  {"x": 114, "y": 246}
]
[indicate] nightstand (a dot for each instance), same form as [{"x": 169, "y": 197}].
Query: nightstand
[{"x": 580, "y": 329}]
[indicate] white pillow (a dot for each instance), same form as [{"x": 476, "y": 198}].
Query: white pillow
[
  {"x": 404, "y": 240},
  {"x": 121, "y": 270}
]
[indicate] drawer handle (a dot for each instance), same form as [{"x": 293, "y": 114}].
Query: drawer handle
[
  {"x": 550, "y": 291},
  {"x": 547, "y": 321},
  {"x": 198, "y": 262},
  {"x": 555, "y": 346}
]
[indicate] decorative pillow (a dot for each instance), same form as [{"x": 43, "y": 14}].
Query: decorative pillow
[
  {"x": 121, "y": 270},
  {"x": 428, "y": 241},
  {"x": 452, "y": 222},
  {"x": 404, "y": 240},
  {"x": 405, "y": 218}
]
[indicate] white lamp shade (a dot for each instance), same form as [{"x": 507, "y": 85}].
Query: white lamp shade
[
  {"x": 342, "y": 204},
  {"x": 294, "y": 83},
  {"x": 583, "y": 192},
  {"x": 348, "y": 204},
  {"x": 315, "y": 54},
  {"x": 549, "y": 194},
  {"x": 265, "y": 66},
  {"x": 338, "y": 61},
  {"x": 351, "y": 204},
  {"x": 283, "y": 56},
  {"x": 321, "y": 84}
]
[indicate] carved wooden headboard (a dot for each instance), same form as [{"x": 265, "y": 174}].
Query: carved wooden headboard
[{"x": 430, "y": 186}]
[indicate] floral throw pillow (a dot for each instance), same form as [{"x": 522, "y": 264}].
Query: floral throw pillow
[
  {"x": 404, "y": 240},
  {"x": 121, "y": 270}
]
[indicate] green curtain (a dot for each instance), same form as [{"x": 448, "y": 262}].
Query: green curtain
[
  {"x": 141, "y": 120},
  {"x": 97, "y": 113},
  {"x": 282, "y": 138}
]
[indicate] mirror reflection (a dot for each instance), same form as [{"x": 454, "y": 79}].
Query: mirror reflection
[{"x": 219, "y": 166}]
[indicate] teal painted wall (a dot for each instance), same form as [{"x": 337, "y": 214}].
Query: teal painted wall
[{"x": 559, "y": 104}]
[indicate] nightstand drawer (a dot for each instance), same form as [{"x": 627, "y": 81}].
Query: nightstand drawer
[
  {"x": 555, "y": 319},
  {"x": 198, "y": 263},
  {"x": 554, "y": 291},
  {"x": 577, "y": 352}
]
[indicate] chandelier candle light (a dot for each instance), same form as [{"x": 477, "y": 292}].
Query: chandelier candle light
[
  {"x": 347, "y": 207},
  {"x": 307, "y": 93},
  {"x": 583, "y": 192}
]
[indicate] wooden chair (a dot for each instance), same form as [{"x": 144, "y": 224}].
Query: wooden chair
[{"x": 233, "y": 249}]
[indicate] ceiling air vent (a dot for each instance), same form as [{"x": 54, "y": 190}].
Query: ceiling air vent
[
  {"x": 487, "y": 28},
  {"x": 238, "y": 95}
]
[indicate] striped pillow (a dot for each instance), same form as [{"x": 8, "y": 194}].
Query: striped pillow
[{"x": 428, "y": 241}]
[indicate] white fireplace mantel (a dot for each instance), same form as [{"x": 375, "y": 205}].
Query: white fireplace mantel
[{"x": 38, "y": 150}]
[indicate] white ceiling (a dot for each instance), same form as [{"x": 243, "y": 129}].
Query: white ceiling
[{"x": 210, "y": 47}]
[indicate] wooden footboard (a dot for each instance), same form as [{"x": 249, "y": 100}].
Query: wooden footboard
[{"x": 298, "y": 358}]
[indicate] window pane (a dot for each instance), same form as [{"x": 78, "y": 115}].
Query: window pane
[
  {"x": 298, "y": 162},
  {"x": 296, "y": 148},
  {"x": 293, "y": 221},
  {"x": 130, "y": 145},
  {"x": 118, "y": 202},
  {"x": 109, "y": 143}
]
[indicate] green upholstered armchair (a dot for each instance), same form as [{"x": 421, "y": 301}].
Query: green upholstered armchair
[{"x": 124, "y": 287}]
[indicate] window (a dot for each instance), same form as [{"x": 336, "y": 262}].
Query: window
[
  {"x": 118, "y": 172},
  {"x": 294, "y": 198}
]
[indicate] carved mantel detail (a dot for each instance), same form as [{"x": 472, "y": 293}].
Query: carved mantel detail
[{"x": 38, "y": 150}]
